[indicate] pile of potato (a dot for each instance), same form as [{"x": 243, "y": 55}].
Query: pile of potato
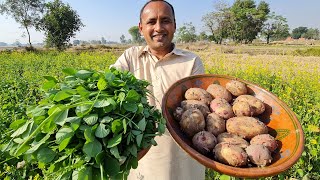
[{"x": 222, "y": 123}]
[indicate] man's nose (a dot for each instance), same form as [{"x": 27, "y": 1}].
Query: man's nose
[{"x": 158, "y": 26}]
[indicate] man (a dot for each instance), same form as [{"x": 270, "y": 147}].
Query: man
[{"x": 161, "y": 64}]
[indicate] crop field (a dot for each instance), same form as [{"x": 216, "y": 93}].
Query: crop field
[{"x": 292, "y": 74}]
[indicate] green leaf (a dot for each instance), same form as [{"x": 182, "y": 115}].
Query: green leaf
[
  {"x": 133, "y": 150},
  {"x": 116, "y": 126},
  {"x": 21, "y": 130},
  {"x": 106, "y": 119},
  {"x": 114, "y": 151},
  {"x": 50, "y": 78},
  {"x": 64, "y": 133},
  {"x": 131, "y": 107},
  {"x": 85, "y": 173},
  {"x": 22, "y": 149},
  {"x": 142, "y": 124},
  {"x": 91, "y": 149},
  {"x": 139, "y": 139},
  {"x": 102, "y": 84},
  {"x": 64, "y": 94},
  {"x": 83, "y": 109},
  {"x": 121, "y": 96},
  {"x": 74, "y": 122},
  {"x": 133, "y": 96},
  {"x": 100, "y": 157},
  {"x": 109, "y": 76},
  {"x": 101, "y": 103},
  {"x": 101, "y": 131},
  {"x": 48, "y": 85},
  {"x": 36, "y": 145},
  {"x": 124, "y": 124},
  {"x": 91, "y": 119},
  {"x": 88, "y": 135},
  {"x": 82, "y": 91},
  {"x": 224, "y": 177},
  {"x": 83, "y": 74},
  {"x": 45, "y": 155},
  {"x": 111, "y": 166},
  {"x": 69, "y": 71},
  {"x": 64, "y": 144},
  {"x": 114, "y": 141},
  {"x": 60, "y": 117}
]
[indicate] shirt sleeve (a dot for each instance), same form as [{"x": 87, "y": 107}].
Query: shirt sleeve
[
  {"x": 122, "y": 62},
  {"x": 198, "y": 67}
]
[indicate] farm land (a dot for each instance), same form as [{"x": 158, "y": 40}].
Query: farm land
[{"x": 290, "y": 71}]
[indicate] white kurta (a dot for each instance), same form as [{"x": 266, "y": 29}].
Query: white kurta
[{"x": 167, "y": 160}]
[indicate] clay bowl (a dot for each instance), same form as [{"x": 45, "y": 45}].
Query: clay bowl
[
  {"x": 281, "y": 121},
  {"x": 143, "y": 152}
]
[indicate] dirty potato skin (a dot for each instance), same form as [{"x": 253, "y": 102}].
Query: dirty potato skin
[
  {"x": 198, "y": 94},
  {"x": 218, "y": 91},
  {"x": 187, "y": 104},
  {"x": 242, "y": 109},
  {"x": 192, "y": 121},
  {"x": 267, "y": 140},
  {"x": 178, "y": 113},
  {"x": 246, "y": 127},
  {"x": 204, "y": 142},
  {"x": 230, "y": 154},
  {"x": 259, "y": 155},
  {"x": 221, "y": 107},
  {"x": 232, "y": 139},
  {"x": 256, "y": 104},
  {"x": 236, "y": 88},
  {"x": 215, "y": 124}
]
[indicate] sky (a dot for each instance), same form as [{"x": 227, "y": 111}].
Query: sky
[{"x": 112, "y": 18}]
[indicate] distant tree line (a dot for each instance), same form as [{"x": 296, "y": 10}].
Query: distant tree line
[
  {"x": 241, "y": 22},
  {"x": 57, "y": 20}
]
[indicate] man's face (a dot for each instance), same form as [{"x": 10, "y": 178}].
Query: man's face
[{"x": 157, "y": 25}]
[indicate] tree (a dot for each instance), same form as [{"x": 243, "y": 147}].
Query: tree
[
  {"x": 76, "y": 42},
  {"x": 60, "y": 23},
  {"x": 25, "y": 12},
  {"x": 275, "y": 28},
  {"x": 186, "y": 33},
  {"x": 122, "y": 39},
  {"x": 103, "y": 40},
  {"x": 247, "y": 19},
  {"x": 218, "y": 22},
  {"x": 311, "y": 34},
  {"x": 203, "y": 36},
  {"x": 135, "y": 33},
  {"x": 297, "y": 32}
]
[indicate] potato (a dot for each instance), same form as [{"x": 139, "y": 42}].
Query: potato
[
  {"x": 178, "y": 113},
  {"x": 256, "y": 104},
  {"x": 192, "y": 121},
  {"x": 242, "y": 109},
  {"x": 215, "y": 124},
  {"x": 187, "y": 104},
  {"x": 204, "y": 142},
  {"x": 259, "y": 155},
  {"x": 198, "y": 94},
  {"x": 246, "y": 127},
  {"x": 218, "y": 91},
  {"x": 221, "y": 107},
  {"x": 232, "y": 139},
  {"x": 236, "y": 88},
  {"x": 230, "y": 154},
  {"x": 267, "y": 140}
]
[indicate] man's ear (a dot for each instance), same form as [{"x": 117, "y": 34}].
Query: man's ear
[{"x": 140, "y": 27}]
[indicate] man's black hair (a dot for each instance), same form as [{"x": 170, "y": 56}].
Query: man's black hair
[{"x": 172, "y": 9}]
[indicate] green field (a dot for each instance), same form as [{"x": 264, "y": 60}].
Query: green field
[{"x": 291, "y": 73}]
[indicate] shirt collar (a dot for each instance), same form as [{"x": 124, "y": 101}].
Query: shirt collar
[{"x": 174, "y": 51}]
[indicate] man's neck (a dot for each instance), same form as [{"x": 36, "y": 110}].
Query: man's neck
[{"x": 161, "y": 52}]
